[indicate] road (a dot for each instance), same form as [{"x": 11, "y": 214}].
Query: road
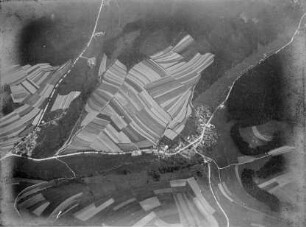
[
  {"x": 93, "y": 34},
  {"x": 223, "y": 92}
]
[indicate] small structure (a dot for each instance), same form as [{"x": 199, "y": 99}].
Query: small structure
[
  {"x": 91, "y": 62},
  {"x": 136, "y": 153}
]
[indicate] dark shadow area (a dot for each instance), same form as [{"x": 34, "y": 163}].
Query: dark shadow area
[
  {"x": 52, "y": 41},
  {"x": 244, "y": 146},
  {"x": 88, "y": 165},
  {"x": 274, "y": 165},
  {"x": 84, "y": 165},
  {"x": 256, "y": 97},
  {"x": 259, "y": 194},
  {"x": 8, "y": 105},
  {"x": 229, "y": 37}
]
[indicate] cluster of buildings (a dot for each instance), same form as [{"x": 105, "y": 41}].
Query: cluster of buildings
[
  {"x": 27, "y": 144},
  {"x": 133, "y": 110},
  {"x": 30, "y": 87},
  {"x": 210, "y": 136}
]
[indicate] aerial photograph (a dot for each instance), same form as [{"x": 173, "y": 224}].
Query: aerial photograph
[{"x": 153, "y": 113}]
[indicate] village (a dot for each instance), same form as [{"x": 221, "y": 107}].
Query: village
[{"x": 156, "y": 119}]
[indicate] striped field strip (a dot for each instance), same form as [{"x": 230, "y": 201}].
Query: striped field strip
[
  {"x": 125, "y": 203},
  {"x": 145, "y": 220},
  {"x": 91, "y": 210}
]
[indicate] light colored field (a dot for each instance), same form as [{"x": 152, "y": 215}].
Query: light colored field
[
  {"x": 197, "y": 191},
  {"x": 64, "y": 205},
  {"x": 145, "y": 220},
  {"x": 125, "y": 203},
  {"x": 150, "y": 203},
  {"x": 39, "y": 210},
  {"x": 91, "y": 210},
  {"x": 63, "y": 101},
  {"x": 148, "y": 102},
  {"x": 220, "y": 186},
  {"x": 178, "y": 183},
  {"x": 32, "y": 96}
]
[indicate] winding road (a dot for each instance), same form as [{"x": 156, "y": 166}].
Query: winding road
[{"x": 207, "y": 160}]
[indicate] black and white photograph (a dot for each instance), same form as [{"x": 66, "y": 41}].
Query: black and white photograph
[{"x": 153, "y": 113}]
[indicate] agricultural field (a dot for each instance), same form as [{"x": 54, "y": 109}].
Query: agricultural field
[
  {"x": 133, "y": 37},
  {"x": 175, "y": 113},
  {"x": 133, "y": 110},
  {"x": 31, "y": 86},
  {"x": 170, "y": 201}
]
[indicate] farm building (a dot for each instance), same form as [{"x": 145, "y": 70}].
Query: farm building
[
  {"x": 134, "y": 109},
  {"x": 30, "y": 86}
]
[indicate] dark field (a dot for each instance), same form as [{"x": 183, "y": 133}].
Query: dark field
[
  {"x": 257, "y": 96},
  {"x": 44, "y": 38},
  {"x": 99, "y": 164},
  {"x": 261, "y": 195},
  {"x": 244, "y": 146},
  {"x": 273, "y": 166},
  {"x": 57, "y": 36}
]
